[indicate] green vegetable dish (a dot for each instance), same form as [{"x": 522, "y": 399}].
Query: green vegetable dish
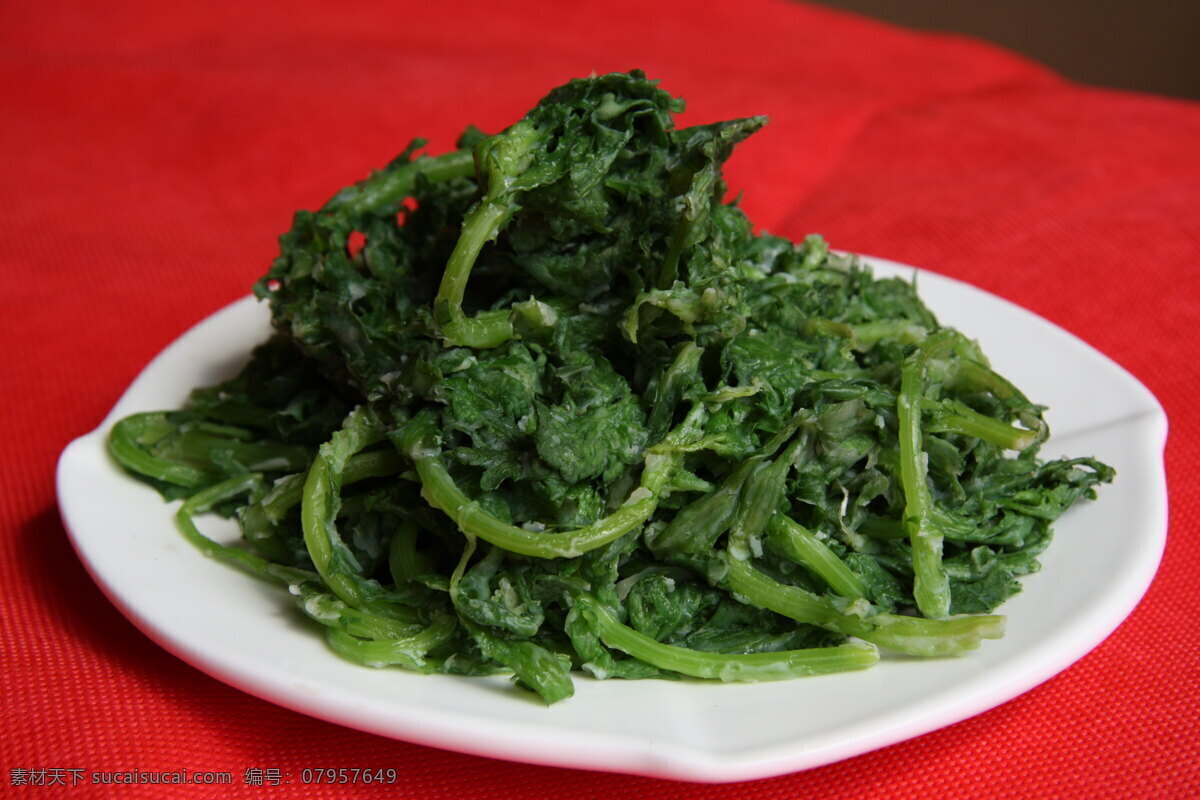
[{"x": 547, "y": 403}]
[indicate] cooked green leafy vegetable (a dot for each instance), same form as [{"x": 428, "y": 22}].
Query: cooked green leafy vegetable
[{"x": 548, "y": 403}]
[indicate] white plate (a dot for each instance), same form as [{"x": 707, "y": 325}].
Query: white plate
[{"x": 248, "y": 633}]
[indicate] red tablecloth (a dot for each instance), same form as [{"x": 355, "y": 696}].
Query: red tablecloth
[{"x": 153, "y": 151}]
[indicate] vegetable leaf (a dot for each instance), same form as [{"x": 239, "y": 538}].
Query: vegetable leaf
[{"x": 548, "y": 402}]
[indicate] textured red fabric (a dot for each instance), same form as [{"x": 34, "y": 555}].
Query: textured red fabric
[{"x": 152, "y": 152}]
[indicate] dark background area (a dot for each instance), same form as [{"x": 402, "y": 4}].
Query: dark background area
[{"x": 1143, "y": 45}]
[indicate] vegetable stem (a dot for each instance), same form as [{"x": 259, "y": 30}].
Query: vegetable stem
[
  {"x": 489, "y": 329},
  {"x": 128, "y": 443},
  {"x": 334, "y": 561},
  {"x": 442, "y": 493},
  {"x": 723, "y": 666},
  {"x": 956, "y": 417},
  {"x": 502, "y": 160},
  {"x": 388, "y": 187},
  {"x": 409, "y": 650},
  {"x": 417, "y": 440},
  {"x": 908, "y": 635},
  {"x": 931, "y": 587},
  {"x": 202, "y": 502},
  {"x": 797, "y": 543}
]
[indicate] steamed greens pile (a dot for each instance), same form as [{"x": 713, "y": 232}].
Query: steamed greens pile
[{"x": 547, "y": 403}]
